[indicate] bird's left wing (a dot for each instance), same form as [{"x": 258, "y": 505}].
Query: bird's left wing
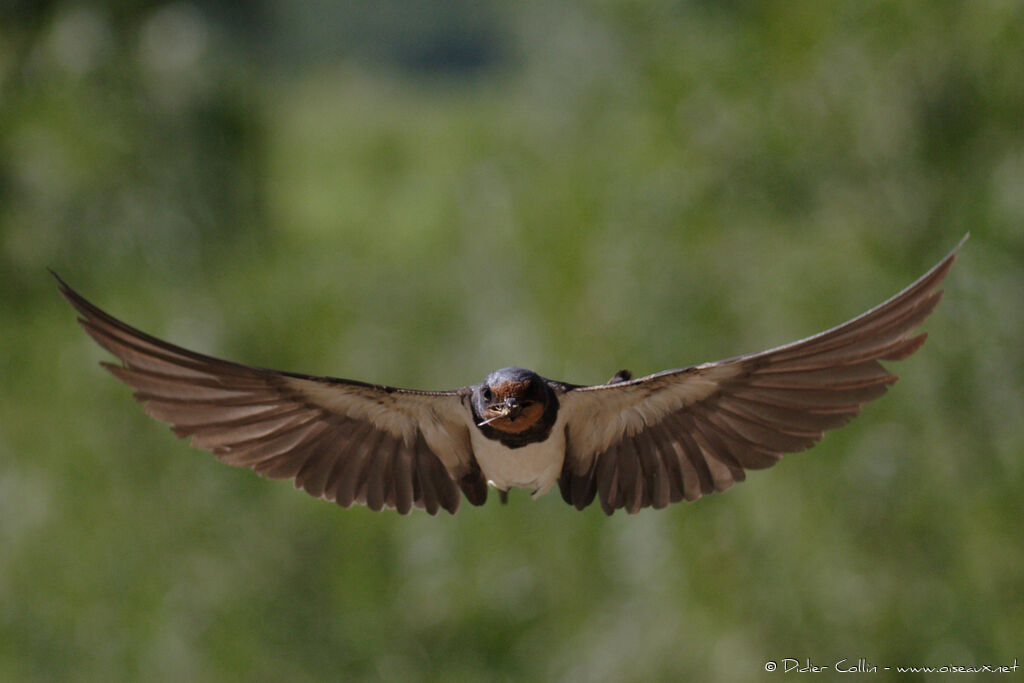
[
  {"x": 342, "y": 440},
  {"x": 680, "y": 434}
]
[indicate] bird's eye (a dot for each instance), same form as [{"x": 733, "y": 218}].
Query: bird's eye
[{"x": 487, "y": 393}]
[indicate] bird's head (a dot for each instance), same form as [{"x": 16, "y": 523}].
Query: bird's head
[{"x": 511, "y": 399}]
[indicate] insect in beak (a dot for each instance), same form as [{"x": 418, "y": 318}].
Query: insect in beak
[{"x": 509, "y": 408}]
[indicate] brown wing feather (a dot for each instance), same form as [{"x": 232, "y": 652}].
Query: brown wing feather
[
  {"x": 702, "y": 427},
  {"x": 346, "y": 441}
]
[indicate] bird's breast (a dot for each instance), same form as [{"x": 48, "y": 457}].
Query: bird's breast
[{"x": 535, "y": 466}]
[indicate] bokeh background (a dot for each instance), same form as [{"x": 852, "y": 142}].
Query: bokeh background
[{"x": 416, "y": 193}]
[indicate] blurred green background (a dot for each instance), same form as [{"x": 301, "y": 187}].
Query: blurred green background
[{"x": 416, "y": 193}]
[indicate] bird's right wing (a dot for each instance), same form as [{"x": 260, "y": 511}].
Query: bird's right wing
[{"x": 342, "y": 440}]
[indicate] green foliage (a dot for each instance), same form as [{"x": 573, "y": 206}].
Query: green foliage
[{"x": 576, "y": 189}]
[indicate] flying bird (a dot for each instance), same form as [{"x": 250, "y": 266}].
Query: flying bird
[{"x": 631, "y": 443}]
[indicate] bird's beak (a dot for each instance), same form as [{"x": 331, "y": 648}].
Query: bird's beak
[
  {"x": 509, "y": 409},
  {"x": 512, "y": 408}
]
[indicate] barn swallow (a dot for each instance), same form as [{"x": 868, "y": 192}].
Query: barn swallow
[{"x": 631, "y": 443}]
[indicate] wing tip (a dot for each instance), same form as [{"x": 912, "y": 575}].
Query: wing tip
[
  {"x": 61, "y": 284},
  {"x": 65, "y": 289}
]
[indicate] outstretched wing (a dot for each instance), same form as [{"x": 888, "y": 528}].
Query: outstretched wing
[
  {"x": 680, "y": 434},
  {"x": 342, "y": 440}
]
